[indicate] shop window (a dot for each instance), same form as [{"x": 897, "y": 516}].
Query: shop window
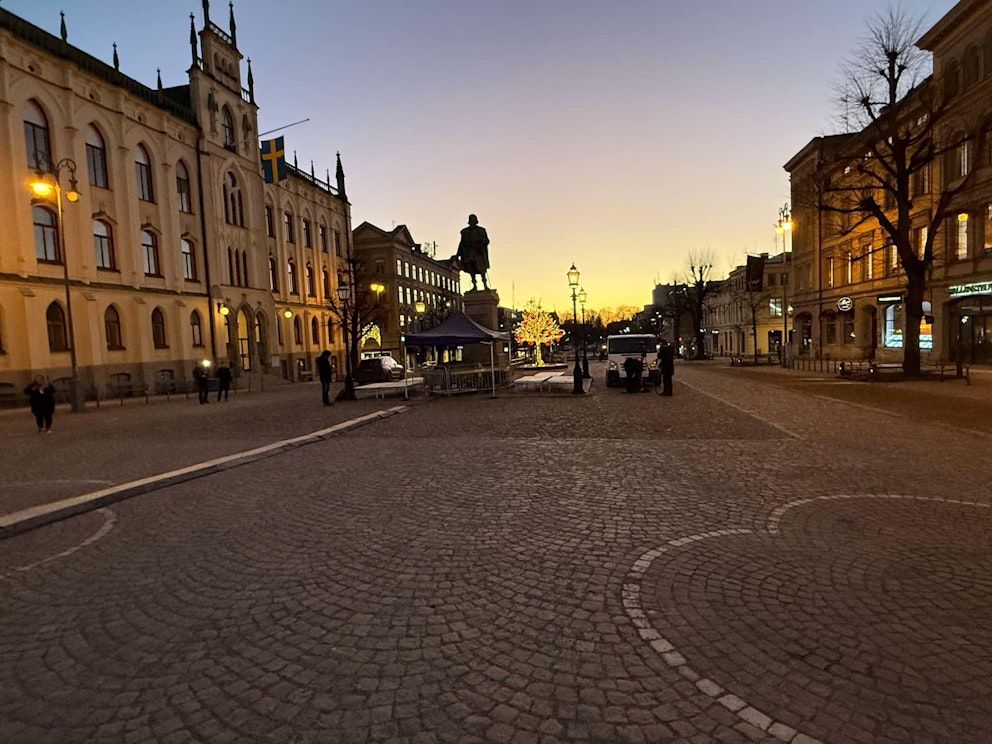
[
  {"x": 960, "y": 227},
  {"x": 892, "y": 324}
]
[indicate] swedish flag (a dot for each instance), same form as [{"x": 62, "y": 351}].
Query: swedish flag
[{"x": 274, "y": 160}]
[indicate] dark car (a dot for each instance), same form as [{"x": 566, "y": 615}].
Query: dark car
[{"x": 378, "y": 369}]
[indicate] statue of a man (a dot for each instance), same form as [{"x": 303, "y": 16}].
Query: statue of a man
[{"x": 473, "y": 250}]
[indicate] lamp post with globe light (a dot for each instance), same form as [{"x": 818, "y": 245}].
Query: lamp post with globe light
[
  {"x": 573, "y": 282},
  {"x": 585, "y": 341},
  {"x": 44, "y": 186},
  {"x": 344, "y": 297},
  {"x": 782, "y": 227}
]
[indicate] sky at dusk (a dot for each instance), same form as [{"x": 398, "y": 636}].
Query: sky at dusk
[{"x": 619, "y": 136}]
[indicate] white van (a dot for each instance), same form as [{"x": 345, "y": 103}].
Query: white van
[{"x": 618, "y": 348}]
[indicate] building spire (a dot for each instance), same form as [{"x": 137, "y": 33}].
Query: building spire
[
  {"x": 159, "y": 71},
  {"x": 339, "y": 174},
  {"x": 206, "y": 12},
  {"x": 117, "y": 60},
  {"x": 234, "y": 27},
  {"x": 296, "y": 165},
  {"x": 312, "y": 174},
  {"x": 251, "y": 84},
  {"x": 62, "y": 28},
  {"x": 192, "y": 37}
]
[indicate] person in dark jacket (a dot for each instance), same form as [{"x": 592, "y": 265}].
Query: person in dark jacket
[
  {"x": 223, "y": 380},
  {"x": 41, "y": 394},
  {"x": 325, "y": 370},
  {"x": 633, "y": 367},
  {"x": 666, "y": 365},
  {"x": 201, "y": 374}
]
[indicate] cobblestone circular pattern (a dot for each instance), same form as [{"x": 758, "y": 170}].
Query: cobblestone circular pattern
[{"x": 845, "y": 618}]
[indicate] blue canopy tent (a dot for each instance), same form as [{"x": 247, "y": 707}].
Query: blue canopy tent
[{"x": 458, "y": 330}]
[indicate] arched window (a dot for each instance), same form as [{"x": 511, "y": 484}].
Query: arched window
[
  {"x": 158, "y": 329},
  {"x": 184, "y": 193},
  {"x": 58, "y": 336},
  {"x": 37, "y": 143},
  {"x": 189, "y": 259},
  {"x": 244, "y": 268},
  {"x": 196, "y": 328},
  {"x": 971, "y": 67},
  {"x": 294, "y": 287},
  {"x": 143, "y": 174},
  {"x": 952, "y": 80},
  {"x": 96, "y": 158},
  {"x": 227, "y": 129},
  {"x": 103, "y": 245},
  {"x": 149, "y": 253},
  {"x": 233, "y": 211},
  {"x": 314, "y": 332},
  {"x": 326, "y": 283},
  {"x": 46, "y": 237},
  {"x": 330, "y": 331},
  {"x": 311, "y": 283},
  {"x": 297, "y": 330},
  {"x": 112, "y": 328},
  {"x": 273, "y": 275}
]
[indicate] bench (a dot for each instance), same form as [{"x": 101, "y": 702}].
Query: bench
[
  {"x": 534, "y": 381},
  {"x": 382, "y": 389}
]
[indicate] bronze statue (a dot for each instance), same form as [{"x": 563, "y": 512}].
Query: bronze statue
[{"x": 473, "y": 250}]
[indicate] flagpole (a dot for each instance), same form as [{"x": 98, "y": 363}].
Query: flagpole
[{"x": 279, "y": 129}]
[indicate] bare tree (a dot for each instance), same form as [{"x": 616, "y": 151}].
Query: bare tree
[
  {"x": 700, "y": 286},
  {"x": 902, "y": 134},
  {"x": 357, "y": 309},
  {"x": 747, "y": 291}
]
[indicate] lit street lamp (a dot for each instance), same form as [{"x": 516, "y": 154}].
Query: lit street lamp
[
  {"x": 585, "y": 342},
  {"x": 43, "y": 186},
  {"x": 573, "y": 282},
  {"x": 783, "y": 226}
]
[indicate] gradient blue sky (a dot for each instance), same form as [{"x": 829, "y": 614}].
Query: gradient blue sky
[{"x": 618, "y": 136}]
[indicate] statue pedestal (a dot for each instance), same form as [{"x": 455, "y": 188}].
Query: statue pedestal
[{"x": 480, "y": 305}]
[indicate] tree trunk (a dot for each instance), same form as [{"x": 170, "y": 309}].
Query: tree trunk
[
  {"x": 916, "y": 284},
  {"x": 538, "y": 361}
]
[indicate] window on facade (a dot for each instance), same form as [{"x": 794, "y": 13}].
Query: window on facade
[
  {"x": 46, "y": 238},
  {"x": 962, "y": 159},
  {"x": 775, "y": 307},
  {"x": 58, "y": 336},
  {"x": 330, "y": 332},
  {"x": 867, "y": 261},
  {"x": 830, "y": 271},
  {"x": 297, "y": 330},
  {"x": 103, "y": 245},
  {"x": 307, "y": 234},
  {"x": 892, "y": 262},
  {"x": 158, "y": 329},
  {"x": 96, "y": 158},
  {"x": 322, "y": 238},
  {"x": 970, "y": 67},
  {"x": 36, "y": 139},
  {"x": 892, "y": 323},
  {"x": 326, "y": 275},
  {"x": 380, "y": 266},
  {"x": 399, "y": 267},
  {"x": 314, "y": 332},
  {"x": 196, "y": 328},
  {"x": 961, "y": 237},
  {"x": 847, "y": 327},
  {"x": 149, "y": 253},
  {"x": 921, "y": 181},
  {"x": 183, "y": 191},
  {"x": 287, "y": 224},
  {"x": 112, "y": 328},
  {"x": 337, "y": 243},
  {"x": 270, "y": 228},
  {"x": 828, "y": 323},
  {"x": 987, "y": 230},
  {"x": 952, "y": 80},
  {"x": 848, "y": 266},
  {"x": 227, "y": 130},
  {"x": 233, "y": 211},
  {"x": 143, "y": 174},
  {"x": 291, "y": 274},
  {"x": 920, "y": 240},
  {"x": 311, "y": 281},
  {"x": 273, "y": 275},
  {"x": 189, "y": 259}
]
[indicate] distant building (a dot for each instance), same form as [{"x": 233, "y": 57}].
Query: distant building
[{"x": 177, "y": 249}]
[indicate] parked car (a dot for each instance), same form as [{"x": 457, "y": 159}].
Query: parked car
[{"x": 378, "y": 369}]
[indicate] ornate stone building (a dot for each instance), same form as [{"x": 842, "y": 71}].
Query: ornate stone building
[{"x": 176, "y": 249}]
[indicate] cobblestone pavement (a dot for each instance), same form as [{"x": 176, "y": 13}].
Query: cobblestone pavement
[{"x": 760, "y": 558}]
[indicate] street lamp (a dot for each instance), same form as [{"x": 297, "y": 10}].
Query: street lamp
[
  {"x": 585, "y": 342},
  {"x": 344, "y": 296},
  {"x": 43, "y": 186},
  {"x": 783, "y": 226},
  {"x": 573, "y": 282}
]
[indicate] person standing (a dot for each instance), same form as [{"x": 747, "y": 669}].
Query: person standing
[
  {"x": 325, "y": 370},
  {"x": 223, "y": 380},
  {"x": 202, "y": 377},
  {"x": 666, "y": 365},
  {"x": 41, "y": 394}
]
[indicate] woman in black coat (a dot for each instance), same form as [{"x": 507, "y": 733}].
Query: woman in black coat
[{"x": 41, "y": 393}]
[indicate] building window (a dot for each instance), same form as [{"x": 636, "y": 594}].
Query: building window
[
  {"x": 287, "y": 223},
  {"x": 58, "y": 336},
  {"x": 892, "y": 323},
  {"x": 399, "y": 267},
  {"x": 227, "y": 130},
  {"x": 233, "y": 208},
  {"x": 921, "y": 180},
  {"x": 112, "y": 329},
  {"x": 270, "y": 228},
  {"x": 848, "y": 265},
  {"x": 970, "y": 67},
  {"x": 307, "y": 234},
  {"x": 36, "y": 139},
  {"x": 273, "y": 275},
  {"x": 847, "y": 321},
  {"x": 311, "y": 282},
  {"x": 829, "y": 326},
  {"x": 149, "y": 253},
  {"x": 961, "y": 237},
  {"x": 96, "y": 158},
  {"x": 297, "y": 331},
  {"x": 330, "y": 332},
  {"x": 196, "y": 328},
  {"x": 103, "y": 245},
  {"x": 867, "y": 261},
  {"x": 952, "y": 80},
  {"x": 337, "y": 243},
  {"x": 892, "y": 264},
  {"x": 46, "y": 238},
  {"x": 963, "y": 159},
  {"x": 183, "y": 191},
  {"x": 987, "y": 238},
  {"x": 920, "y": 240},
  {"x": 326, "y": 275},
  {"x": 143, "y": 175},
  {"x": 322, "y": 238},
  {"x": 189, "y": 260},
  {"x": 314, "y": 332},
  {"x": 291, "y": 274},
  {"x": 158, "y": 329},
  {"x": 830, "y": 271}
]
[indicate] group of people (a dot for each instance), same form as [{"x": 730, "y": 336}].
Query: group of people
[
  {"x": 633, "y": 367},
  {"x": 201, "y": 375}
]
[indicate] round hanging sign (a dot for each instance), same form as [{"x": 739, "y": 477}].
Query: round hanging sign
[{"x": 844, "y": 304}]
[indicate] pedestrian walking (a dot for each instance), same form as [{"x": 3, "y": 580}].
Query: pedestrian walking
[
  {"x": 223, "y": 380},
  {"x": 633, "y": 367},
  {"x": 666, "y": 365},
  {"x": 325, "y": 370},
  {"x": 201, "y": 374},
  {"x": 41, "y": 394}
]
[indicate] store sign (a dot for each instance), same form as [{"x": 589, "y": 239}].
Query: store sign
[
  {"x": 888, "y": 299},
  {"x": 975, "y": 288},
  {"x": 844, "y": 304}
]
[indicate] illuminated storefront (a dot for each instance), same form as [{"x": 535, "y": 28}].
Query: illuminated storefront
[{"x": 971, "y": 322}]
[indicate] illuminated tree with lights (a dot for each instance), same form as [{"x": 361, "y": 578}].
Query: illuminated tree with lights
[{"x": 537, "y": 327}]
